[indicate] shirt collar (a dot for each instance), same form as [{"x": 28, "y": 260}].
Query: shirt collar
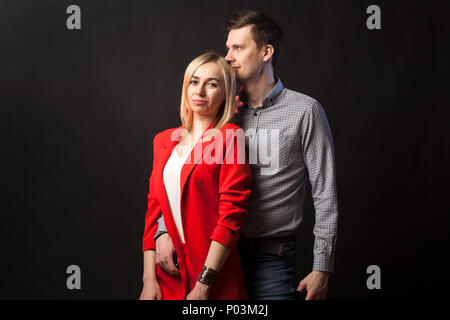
[{"x": 271, "y": 97}]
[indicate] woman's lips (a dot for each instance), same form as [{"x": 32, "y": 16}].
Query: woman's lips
[{"x": 199, "y": 102}]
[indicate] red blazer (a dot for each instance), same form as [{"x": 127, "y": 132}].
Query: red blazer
[{"x": 213, "y": 200}]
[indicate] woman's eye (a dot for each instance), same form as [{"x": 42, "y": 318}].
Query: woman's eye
[
  {"x": 193, "y": 81},
  {"x": 213, "y": 84}
]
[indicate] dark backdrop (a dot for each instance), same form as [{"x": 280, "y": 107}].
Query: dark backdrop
[{"x": 79, "y": 110}]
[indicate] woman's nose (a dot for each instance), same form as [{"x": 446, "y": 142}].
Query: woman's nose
[{"x": 200, "y": 90}]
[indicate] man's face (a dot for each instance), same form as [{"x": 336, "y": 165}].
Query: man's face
[{"x": 243, "y": 54}]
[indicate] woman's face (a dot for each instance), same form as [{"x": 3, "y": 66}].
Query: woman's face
[{"x": 206, "y": 90}]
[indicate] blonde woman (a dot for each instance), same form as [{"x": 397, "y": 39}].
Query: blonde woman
[{"x": 202, "y": 201}]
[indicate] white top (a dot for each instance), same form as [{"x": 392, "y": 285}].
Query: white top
[{"x": 172, "y": 183}]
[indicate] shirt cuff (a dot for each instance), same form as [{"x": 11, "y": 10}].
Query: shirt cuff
[
  {"x": 158, "y": 234},
  {"x": 323, "y": 263}
]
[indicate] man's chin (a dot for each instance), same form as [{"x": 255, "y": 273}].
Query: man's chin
[{"x": 240, "y": 79}]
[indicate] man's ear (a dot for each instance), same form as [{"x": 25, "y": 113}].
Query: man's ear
[{"x": 268, "y": 51}]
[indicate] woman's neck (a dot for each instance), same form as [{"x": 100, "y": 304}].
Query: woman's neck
[{"x": 199, "y": 124}]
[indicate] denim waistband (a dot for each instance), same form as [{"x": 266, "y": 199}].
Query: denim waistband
[{"x": 273, "y": 245}]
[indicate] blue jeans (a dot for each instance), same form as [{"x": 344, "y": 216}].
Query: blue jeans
[{"x": 269, "y": 276}]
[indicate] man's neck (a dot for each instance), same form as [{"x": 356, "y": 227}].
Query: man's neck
[{"x": 256, "y": 90}]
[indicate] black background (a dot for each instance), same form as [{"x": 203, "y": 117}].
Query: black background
[{"x": 79, "y": 110}]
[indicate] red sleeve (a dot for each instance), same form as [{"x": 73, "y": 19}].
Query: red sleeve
[
  {"x": 234, "y": 189},
  {"x": 153, "y": 210}
]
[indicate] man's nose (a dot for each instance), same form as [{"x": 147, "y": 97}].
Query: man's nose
[{"x": 229, "y": 57}]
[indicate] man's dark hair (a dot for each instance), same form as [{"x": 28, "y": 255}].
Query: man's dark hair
[{"x": 264, "y": 29}]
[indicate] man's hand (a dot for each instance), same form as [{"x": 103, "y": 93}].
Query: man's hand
[
  {"x": 164, "y": 254},
  {"x": 316, "y": 285}
]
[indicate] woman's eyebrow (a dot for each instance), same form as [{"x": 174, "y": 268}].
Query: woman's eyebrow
[{"x": 211, "y": 78}]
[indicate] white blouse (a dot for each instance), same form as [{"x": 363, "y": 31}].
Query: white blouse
[{"x": 172, "y": 183}]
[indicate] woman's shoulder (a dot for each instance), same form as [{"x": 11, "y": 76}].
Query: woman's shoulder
[{"x": 166, "y": 134}]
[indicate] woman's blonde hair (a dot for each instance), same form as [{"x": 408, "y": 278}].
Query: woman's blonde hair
[{"x": 226, "y": 111}]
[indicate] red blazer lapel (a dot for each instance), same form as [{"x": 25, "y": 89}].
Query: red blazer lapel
[
  {"x": 194, "y": 158},
  {"x": 164, "y": 152}
]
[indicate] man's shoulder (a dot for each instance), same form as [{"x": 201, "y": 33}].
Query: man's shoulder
[{"x": 299, "y": 99}]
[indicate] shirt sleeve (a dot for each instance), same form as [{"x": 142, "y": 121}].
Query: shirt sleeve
[
  {"x": 161, "y": 228},
  {"x": 318, "y": 154}
]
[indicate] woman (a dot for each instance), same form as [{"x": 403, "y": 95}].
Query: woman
[{"x": 202, "y": 201}]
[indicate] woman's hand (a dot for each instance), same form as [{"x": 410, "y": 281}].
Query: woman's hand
[
  {"x": 200, "y": 292},
  {"x": 151, "y": 291}
]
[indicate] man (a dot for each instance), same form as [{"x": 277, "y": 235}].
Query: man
[{"x": 304, "y": 153}]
